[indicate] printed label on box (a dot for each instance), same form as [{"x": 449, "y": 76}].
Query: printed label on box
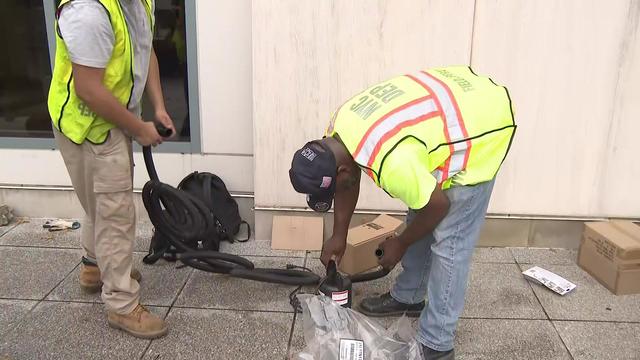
[
  {"x": 604, "y": 248},
  {"x": 554, "y": 282},
  {"x": 351, "y": 349}
]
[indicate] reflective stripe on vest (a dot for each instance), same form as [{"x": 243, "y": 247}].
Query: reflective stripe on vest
[
  {"x": 440, "y": 103},
  {"x": 413, "y": 112},
  {"x": 464, "y": 121},
  {"x": 454, "y": 128}
]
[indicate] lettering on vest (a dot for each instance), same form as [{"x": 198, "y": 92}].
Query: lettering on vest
[
  {"x": 382, "y": 94},
  {"x": 464, "y": 84},
  {"x": 85, "y": 111}
]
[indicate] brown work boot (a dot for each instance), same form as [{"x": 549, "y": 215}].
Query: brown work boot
[
  {"x": 90, "y": 276},
  {"x": 139, "y": 323}
]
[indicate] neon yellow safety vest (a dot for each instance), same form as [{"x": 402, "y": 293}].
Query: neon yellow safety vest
[
  {"x": 69, "y": 114},
  {"x": 464, "y": 121}
]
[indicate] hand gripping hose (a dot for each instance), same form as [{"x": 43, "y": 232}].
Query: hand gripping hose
[{"x": 183, "y": 218}]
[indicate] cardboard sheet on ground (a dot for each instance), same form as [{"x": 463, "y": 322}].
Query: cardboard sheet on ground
[{"x": 297, "y": 233}]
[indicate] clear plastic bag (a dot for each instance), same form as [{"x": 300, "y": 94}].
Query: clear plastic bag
[{"x": 332, "y": 332}]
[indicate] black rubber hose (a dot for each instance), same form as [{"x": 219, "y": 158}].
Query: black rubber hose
[
  {"x": 223, "y": 262},
  {"x": 184, "y": 219},
  {"x": 277, "y": 276},
  {"x": 368, "y": 276},
  {"x": 146, "y": 152},
  {"x": 148, "y": 163},
  {"x": 235, "y": 260}
]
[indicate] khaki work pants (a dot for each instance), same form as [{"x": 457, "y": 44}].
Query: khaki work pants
[{"x": 102, "y": 177}]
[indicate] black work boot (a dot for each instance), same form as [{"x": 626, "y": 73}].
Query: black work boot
[
  {"x": 386, "y": 305},
  {"x": 429, "y": 354}
]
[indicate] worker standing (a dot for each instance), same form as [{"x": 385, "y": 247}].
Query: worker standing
[
  {"x": 104, "y": 61},
  {"x": 434, "y": 139}
]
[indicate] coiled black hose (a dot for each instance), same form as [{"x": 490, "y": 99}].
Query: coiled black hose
[{"x": 182, "y": 219}]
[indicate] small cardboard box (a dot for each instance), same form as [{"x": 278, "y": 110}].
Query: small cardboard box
[
  {"x": 362, "y": 242},
  {"x": 610, "y": 252},
  {"x": 297, "y": 233}
]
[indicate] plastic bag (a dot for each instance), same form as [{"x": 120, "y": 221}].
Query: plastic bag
[{"x": 332, "y": 332}]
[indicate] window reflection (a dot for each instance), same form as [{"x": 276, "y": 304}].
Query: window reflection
[
  {"x": 25, "y": 71},
  {"x": 170, "y": 46}
]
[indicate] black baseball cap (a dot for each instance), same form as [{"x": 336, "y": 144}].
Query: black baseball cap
[{"x": 313, "y": 172}]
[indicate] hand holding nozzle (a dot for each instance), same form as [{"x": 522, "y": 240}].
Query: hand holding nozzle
[
  {"x": 164, "y": 131},
  {"x": 390, "y": 251}
]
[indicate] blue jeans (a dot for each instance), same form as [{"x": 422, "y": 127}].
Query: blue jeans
[{"x": 437, "y": 266}]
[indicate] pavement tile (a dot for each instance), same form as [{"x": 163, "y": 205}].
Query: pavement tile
[
  {"x": 12, "y": 311},
  {"x": 495, "y": 290},
  {"x": 600, "y": 340},
  {"x": 31, "y": 233},
  {"x": 222, "y": 335},
  {"x": 257, "y": 248},
  {"x": 493, "y": 255},
  {"x": 542, "y": 257},
  {"x": 34, "y": 271},
  {"x": 588, "y": 301},
  {"x": 500, "y": 291},
  {"x": 56, "y": 330},
  {"x": 5, "y": 229},
  {"x": 215, "y": 291},
  {"x": 159, "y": 286},
  {"x": 499, "y": 339}
]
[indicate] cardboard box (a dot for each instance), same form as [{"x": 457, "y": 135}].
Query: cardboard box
[
  {"x": 362, "y": 242},
  {"x": 297, "y": 233},
  {"x": 610, "y": 252}
]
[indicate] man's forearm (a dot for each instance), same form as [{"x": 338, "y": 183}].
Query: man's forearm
[
  {"x": 345, "y": 205},
  {"x": 427, "y": 219},
  {"x": 154, "y": 87},
  {"x": 105, "y": 105}
]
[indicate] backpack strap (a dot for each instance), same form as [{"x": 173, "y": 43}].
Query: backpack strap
[
  {"x": 206, "y": 191},
  {"x": 248, "y": 232},
  {"x": 207, "y": 194}
]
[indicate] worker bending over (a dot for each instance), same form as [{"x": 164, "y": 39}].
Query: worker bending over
[{"x": 434, "y": 139}]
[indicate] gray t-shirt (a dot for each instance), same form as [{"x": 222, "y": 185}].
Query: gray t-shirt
[{"x": 88, "y": 35}]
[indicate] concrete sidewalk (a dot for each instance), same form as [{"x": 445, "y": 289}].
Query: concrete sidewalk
[{"x": 44, "y": 315}]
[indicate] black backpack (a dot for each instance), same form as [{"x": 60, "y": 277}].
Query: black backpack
[
  {"x": 214, "y": 194},
  {"x": 213, "y": 191}
]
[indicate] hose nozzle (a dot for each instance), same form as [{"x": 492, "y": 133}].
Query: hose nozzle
[{"x": 162, "y": 130}]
